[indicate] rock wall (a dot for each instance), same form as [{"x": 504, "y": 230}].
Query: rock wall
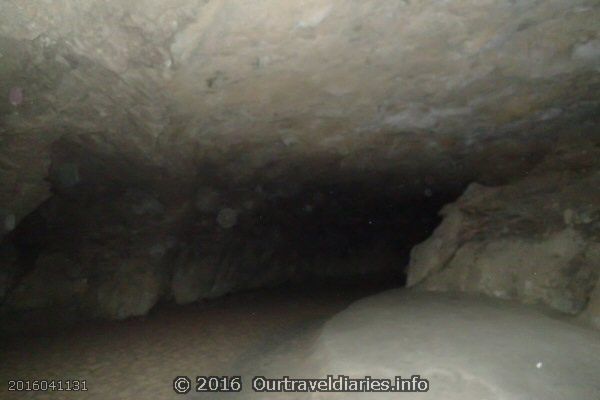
[
  {"x": 113, "y": 251},
  {"x": 536, "y": 240},
  {"x": 90, "y": 253},
  {"x": 256, "y": 98}
]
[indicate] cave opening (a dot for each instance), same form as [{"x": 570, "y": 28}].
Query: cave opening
[{"x": 203, "y": 241}]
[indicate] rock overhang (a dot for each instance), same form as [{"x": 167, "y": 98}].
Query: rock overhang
[{"x": 432, "y": 94}]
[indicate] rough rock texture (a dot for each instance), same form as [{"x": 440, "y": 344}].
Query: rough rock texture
[
  {"x": 536, "y": 240},
  {"x": 90, "y": 254},
  {"x": 259, "y": 87},
  {"x": 183, "y": 145},
  {"x": 115, "y": 251}
]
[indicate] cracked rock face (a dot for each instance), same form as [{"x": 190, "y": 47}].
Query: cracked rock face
[
  {"x": 257, "y": 88},
  {"x": 535, "y": 240}
]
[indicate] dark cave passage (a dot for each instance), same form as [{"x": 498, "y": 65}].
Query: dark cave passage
[
  {"x": 392, "y": 193},
  {"x": 68, "y": 253},
  {"x": 292, "y": 260}
]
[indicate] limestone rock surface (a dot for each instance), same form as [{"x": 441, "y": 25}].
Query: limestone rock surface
[
  {"x": 261, "y": 87},
  {"x": 536, "y": 240}
]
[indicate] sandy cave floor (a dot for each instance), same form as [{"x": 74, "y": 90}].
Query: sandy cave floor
[
  {"x": 289, "y": 331},
  {"x": 138, "y": 358}
]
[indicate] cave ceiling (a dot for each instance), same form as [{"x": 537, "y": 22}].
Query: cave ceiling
[{"x": 236, "y": 92}]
